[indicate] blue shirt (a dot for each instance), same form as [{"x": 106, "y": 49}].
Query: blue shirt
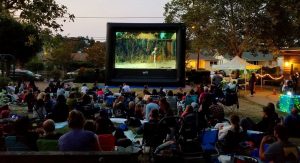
[
  {"x": 77, "y": 140},
  {"x": 150, "y": 107}
]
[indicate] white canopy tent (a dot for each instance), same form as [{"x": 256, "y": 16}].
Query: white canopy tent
[{"x": 237, "y": 63}]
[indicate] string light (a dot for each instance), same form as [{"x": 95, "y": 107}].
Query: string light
[{"x": 273, "y": 78}]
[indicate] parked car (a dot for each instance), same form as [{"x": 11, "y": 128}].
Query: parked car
[{"x": 27, "y": 75}]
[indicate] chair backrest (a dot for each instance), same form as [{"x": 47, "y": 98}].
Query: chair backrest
[
  {"x": 12, "y": 144},
  {"x": 189, "y": 129},
  {"x": 47, "y": 145},
  {"x": 107, "y": 142},
  {"x": 153, "y": 134},
  {"x": 209, "y": 139}
]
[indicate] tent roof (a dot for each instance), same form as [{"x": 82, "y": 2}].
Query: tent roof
[{"x": 236, "y": 63}]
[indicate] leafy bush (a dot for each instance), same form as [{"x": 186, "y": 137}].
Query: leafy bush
[
  {"x": 89, "y": 75},
  {"x": 55, "y": 74},
  {"x": 35, "y": 65},
  {"x": 4, "y": 81}
]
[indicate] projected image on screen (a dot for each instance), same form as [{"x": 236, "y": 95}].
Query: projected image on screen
[{"x": 145, "y": 50}]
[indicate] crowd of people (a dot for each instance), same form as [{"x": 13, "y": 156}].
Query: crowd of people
[{"x": 167, "y": 120}]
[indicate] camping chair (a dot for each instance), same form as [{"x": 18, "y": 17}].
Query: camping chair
[
  {"x": 107, "y": 142},
  {"x": 153, "y": 136},
  {"x": 47, "y": 145},
  {"x": 12, "y": 144},
  {"x": 209, "y": 140}
]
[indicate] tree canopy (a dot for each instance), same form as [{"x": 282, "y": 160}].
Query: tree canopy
[
  {"x": 20, "y": 40},
  {"x": 96, "y": 54},
  {"x": 235, "y": 26},
  {"x": 40, "y": 13}
]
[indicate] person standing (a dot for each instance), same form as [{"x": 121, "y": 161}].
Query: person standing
[
  {"x": 252, "y": 82},
  {"x": 153, "y": 54}
]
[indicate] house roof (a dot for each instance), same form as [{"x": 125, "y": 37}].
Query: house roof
[
  {"x": 194, "y": 56},
  {"x": 248, "y": 56},
  {"x": 290, "y": 51},
  {"x": 79, "y": 56}
]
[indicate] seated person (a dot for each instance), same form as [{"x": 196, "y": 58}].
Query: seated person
[
  {"x": 119, "y": 107},
  {"x": 188, "y": 110},
  {"x": 279, "y": 151},
  {"x": 78, "y": 139},
  {"x": 292, "y": 123},
  {"x": 121, "y": 139},
  {"x": 103, "y": 124},
  {"x": 49, "y": 130},
  {"x": 60, "y": 110},
  {"x": 231, "y": 136},
  {"x": 234, "y": 127},
  {"x": 268, "y": 121},
  {"x": 153, "y": 134},
  {"x": 216, "y": 113},
  {"x": 24, "y": 139}
]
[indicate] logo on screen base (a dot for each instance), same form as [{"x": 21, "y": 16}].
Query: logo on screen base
[{"x": 145, "y": 72}]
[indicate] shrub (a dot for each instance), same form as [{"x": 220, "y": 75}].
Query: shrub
[
  {"x": 55, "y": 74},
  {"x": 4, "y": 81},
  {"x": 89, "y": 75}
]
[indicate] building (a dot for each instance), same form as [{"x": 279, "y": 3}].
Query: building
[
  {"x": 289, "y": 60},
  {"x": 200, "y": 61},
  {"x": 258, "y": 58}
]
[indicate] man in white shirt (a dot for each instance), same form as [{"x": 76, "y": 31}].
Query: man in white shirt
[
  {"x": 126, "y": 88},
  {"x": 84, "y": 89}
]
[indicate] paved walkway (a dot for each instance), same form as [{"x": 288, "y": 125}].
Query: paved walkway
[{"x": 264, "y": 95}]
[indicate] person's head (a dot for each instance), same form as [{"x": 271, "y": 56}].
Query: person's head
[
  {"x": 76, "y": 120},
  {"x": 271, "y": 106},
  {"x": 253, "y": 74},
  {"x": 89, "y": 125},
  {"x": 84, "y": 85},
  {"x": 294, "y": 111},
  {"x": 131, "y": 105},
  {"x": 205, "y": 88},
  {"x": 235, "y": 120},
  {"x": 267, "y": 111},
  {"x": 86, "y": 99},
  {"x": 154, "y": 92},
  {"x": 22, "y": 125},
  {"x": 61, "y": 99},
  {"x": 149, "y": 99},
  {"x": 170, "y": 93},
  {"x": 47, "y": 97},
  {"x": 154, "y": 115},
  {"x": 139, "y": 109},
  {"x": 121, "y": 98},
  {"x": 280, "y": 132},
  {"x": 49, "y": 126},
  {"x": 103, "y": 113},
  {"x": 189, "y": 108}
]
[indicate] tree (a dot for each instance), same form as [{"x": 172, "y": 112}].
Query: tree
[
  {"x": 35, "y": 65},
  {"x": 20, "y": 40},
  {"x": 232, "y": 26},
  {"x": 96, "y": 54},
  {"x": 40, "y": 13},
  {"x": 284, "y": 22},
  {"x": 61, "y": 56}
]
